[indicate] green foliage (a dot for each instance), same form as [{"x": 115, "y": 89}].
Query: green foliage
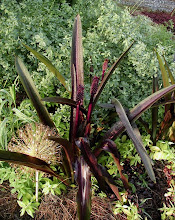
[
  {"x": 11, "y": 115},
  {"x": 167, "y": 211},
  {"x": 23, "y": 184},
  {"x": 55, "y": 187},
  {"x": 108, "y": 29},
  {"x": 162, "y": 151},
  {"x": 130, "y": 210},
  {"x": 108, "y": 32}
]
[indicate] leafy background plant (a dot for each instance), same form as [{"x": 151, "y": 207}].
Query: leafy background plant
[{"x": 104, "y": 37}]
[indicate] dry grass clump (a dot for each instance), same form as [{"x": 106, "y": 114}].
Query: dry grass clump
[{"x": 64, "y": 207}]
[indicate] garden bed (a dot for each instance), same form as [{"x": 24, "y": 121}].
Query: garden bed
[{"x": 145, "y": 199}]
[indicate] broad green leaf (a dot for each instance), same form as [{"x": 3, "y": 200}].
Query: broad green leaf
[
  {"x": 29, "y": 161},
  {"x": 32, "y": 93},
  {"x": 137, "y": 143},
  {"x": 49, "y": 65}
]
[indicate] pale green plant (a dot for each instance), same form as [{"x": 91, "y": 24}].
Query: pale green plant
[
  {"x": 130, "y": 209},
  {"x": 108, "y": 29}
]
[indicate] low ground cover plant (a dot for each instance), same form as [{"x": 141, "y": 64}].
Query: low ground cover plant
[{"x": 81, "y": 151}]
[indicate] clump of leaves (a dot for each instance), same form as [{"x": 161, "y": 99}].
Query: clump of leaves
[
  {"x": 167, "y": 125},
  {"x": 83, "y": 147}
]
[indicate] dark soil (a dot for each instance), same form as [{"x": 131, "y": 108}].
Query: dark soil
[{"x": 153, "y": 194}]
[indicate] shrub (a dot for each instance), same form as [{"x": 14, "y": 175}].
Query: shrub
[{"x": 108, "y": 29}]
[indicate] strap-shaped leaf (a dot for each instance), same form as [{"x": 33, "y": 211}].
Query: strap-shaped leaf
[
  {"x": 136, "y": 112},
  {"x": 108, "y": 75},
  {"x": 64, "y": 101},
  {"x": 138, "y": 145},
  {"x": 49, "y": 65},
  {"x": 163, "y": 71},
  {"x": 77, "y": 72},
  {"x": 154, "y": 112},
  {"x": 83, "y": 178},
  {"x": 29, "y": 161},
  {"x": 102, "y": 176},
  {"x": 32, "y": 93},
  {"x": 169, "y": 72},
  {"x": 68, "y": 151},
  {"x": 164, "y": 103},
  {"x": 111, "y": 147}
]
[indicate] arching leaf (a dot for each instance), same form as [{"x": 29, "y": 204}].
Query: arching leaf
[
  {"x": 49, "y": 65},
  {"x": 32, "y": 93}
]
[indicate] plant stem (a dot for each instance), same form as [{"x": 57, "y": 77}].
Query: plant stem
[{"x": 36, "y": 181}]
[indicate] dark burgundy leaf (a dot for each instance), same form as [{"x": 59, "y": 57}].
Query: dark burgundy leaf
[
  {"x": 136, "y": 112},
  {"x": 29, "y": 161},
  {"x": 65, "y": 101},
  {"x": 83, "y": 178}
]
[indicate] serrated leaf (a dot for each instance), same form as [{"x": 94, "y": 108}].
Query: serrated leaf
[{"x": 21, "y": 204}]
